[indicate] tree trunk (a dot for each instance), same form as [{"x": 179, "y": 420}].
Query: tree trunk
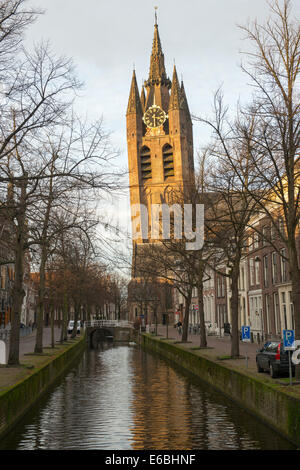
[
  {"x": 67, "y": 314},
  {"x": 64, "y": 323},
  {"x": 76, "y": 317},
  {"x": 235, "y": 340},
  {"x": 41, "y": 304},
  {"x": 203, "y": 339},
  {"x": 52, "y": 329},
  {"x": 18, "y": 293},
  {"x": 18, "y": 296},
  {"x": 186, "y": 317}
]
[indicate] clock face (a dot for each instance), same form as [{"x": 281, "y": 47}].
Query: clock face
[{"x": 154, "y": 116}]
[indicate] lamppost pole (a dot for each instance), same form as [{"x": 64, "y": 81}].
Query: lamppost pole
[{"x": 167, "y": 322}]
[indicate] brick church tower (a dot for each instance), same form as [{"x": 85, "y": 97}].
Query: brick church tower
[{"x": 159, "y": 137}]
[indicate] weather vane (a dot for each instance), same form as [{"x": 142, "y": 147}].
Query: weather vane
[{"x": 155, "y": 8}]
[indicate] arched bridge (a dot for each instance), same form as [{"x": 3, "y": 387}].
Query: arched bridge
[{"x": 105, "y": 330}]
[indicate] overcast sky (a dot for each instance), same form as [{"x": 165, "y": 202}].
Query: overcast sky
[{"x": 106, "y": 37}]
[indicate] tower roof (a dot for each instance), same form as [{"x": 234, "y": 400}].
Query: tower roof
[
  {"x": 157, "y": 72},
  {"x": 143, "y": 98},
  {"x": 184, "y": 101},
  {"x": 175, "y": 98},
  {"x": 134, "y": 102}
]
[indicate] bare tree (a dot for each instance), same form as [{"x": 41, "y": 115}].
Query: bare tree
[
  {"x": 274, "y": 69},
  {"x": 229, "y": 205},
  {"x": 15, "y": 17}
]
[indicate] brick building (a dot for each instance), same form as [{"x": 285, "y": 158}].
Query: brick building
[{"x": 160, "y": 153}]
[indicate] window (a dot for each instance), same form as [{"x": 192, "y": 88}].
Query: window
[
  {"x": 250, "y": 243},
  {"x": 292, "y": 310},
  {"x": 146, "y": 164},
  {"x": 276, "y": 312},
  {"x": 267, "y": 303},
  {"x": 221, "y": 286},
  {"x": 168, "y": 161},
  {"x": 242, "y": 278},
  {"x": 281, "y": 226},
  {"x": 273, "y": 231},
  {"x": 274, "y": 268},
  {"x": 257, "y": 271},
  {"x": 266, "y": 270},
  {"x": 284, "y": 310},
  {"x": 265, "y": 235},
  {"x": 256, "y": 240},
  {"x": 251, "y": 267},
  {"x": 283, "y": 265}
]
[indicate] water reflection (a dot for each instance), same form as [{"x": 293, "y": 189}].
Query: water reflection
[{"x": 123, "y": 398}]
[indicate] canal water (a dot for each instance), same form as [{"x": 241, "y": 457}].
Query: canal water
[{"x": 120, "y": 398}]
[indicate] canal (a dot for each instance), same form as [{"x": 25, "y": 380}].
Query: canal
[{"x": 120, "y": 398}]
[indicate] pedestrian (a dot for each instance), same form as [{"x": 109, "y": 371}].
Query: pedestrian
[{"x": 179, "y": 327}]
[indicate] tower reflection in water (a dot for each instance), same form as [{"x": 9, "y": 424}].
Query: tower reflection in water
[
  {"x": 121, "y": 398},
  {"x": 174, "y": 411}
]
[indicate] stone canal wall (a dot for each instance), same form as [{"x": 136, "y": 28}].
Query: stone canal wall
[
  {"x": 277, "y": 408},
  {"x": 17, "y": 399}
]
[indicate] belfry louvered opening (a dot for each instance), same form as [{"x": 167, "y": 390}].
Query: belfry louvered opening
[
  {"x": 168, "y": 161},
  {"x": 146, "y": 163}
]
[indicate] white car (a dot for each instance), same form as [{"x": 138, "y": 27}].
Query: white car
[{"x": 71, "y": 326}]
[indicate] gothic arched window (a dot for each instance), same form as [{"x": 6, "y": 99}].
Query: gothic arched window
[
  {"x": 168, "y": 161},
  {"x": 145, "y": 156}
]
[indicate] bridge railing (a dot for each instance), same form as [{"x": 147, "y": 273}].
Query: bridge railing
[{"x": 108, "y": 324}]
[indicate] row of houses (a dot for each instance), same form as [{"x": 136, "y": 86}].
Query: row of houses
[
  {"x": 265, "y": 289},
  {"x": 108, "y": 310}
]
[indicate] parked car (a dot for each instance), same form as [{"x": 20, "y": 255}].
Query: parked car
[
  {"x": 274, "y": 359},
  {"x": 71, "y": 326}
]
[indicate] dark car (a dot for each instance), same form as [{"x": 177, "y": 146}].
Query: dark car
[{"x": 274, "y": 359}]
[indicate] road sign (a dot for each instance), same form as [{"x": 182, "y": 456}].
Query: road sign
[
  {"x": 246, "y": 334},
  {"x": 246, "y": 338},
  {"x": 289, "y": 340}
]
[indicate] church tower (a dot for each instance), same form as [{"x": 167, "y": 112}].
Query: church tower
[
  {"x": 159, "y": 134},
  {"x": 159, "y": 137}
]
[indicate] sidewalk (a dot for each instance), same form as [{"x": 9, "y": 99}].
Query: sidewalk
[
  {"x": 11, "y": 375},
  {"x": 27, "y": 343},
  {"x": 219, "y": 349}
]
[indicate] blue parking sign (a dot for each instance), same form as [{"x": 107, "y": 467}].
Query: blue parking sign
[
  {"x": 289, "y": 340},
  {"x": 246, "y": 333}
]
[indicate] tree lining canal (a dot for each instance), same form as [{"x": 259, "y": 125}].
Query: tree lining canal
[{"x": 121, "y": 397}]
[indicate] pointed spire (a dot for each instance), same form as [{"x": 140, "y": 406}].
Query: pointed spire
[
  {"x": 134, "y": 102},
  {"x": 155, "y": 8},
  {"x": 184, "y": 102},
  {"x": 157, "y": 62},
  {"x": 143, "y": 98},
  {"x": 175, "y": 98}
]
